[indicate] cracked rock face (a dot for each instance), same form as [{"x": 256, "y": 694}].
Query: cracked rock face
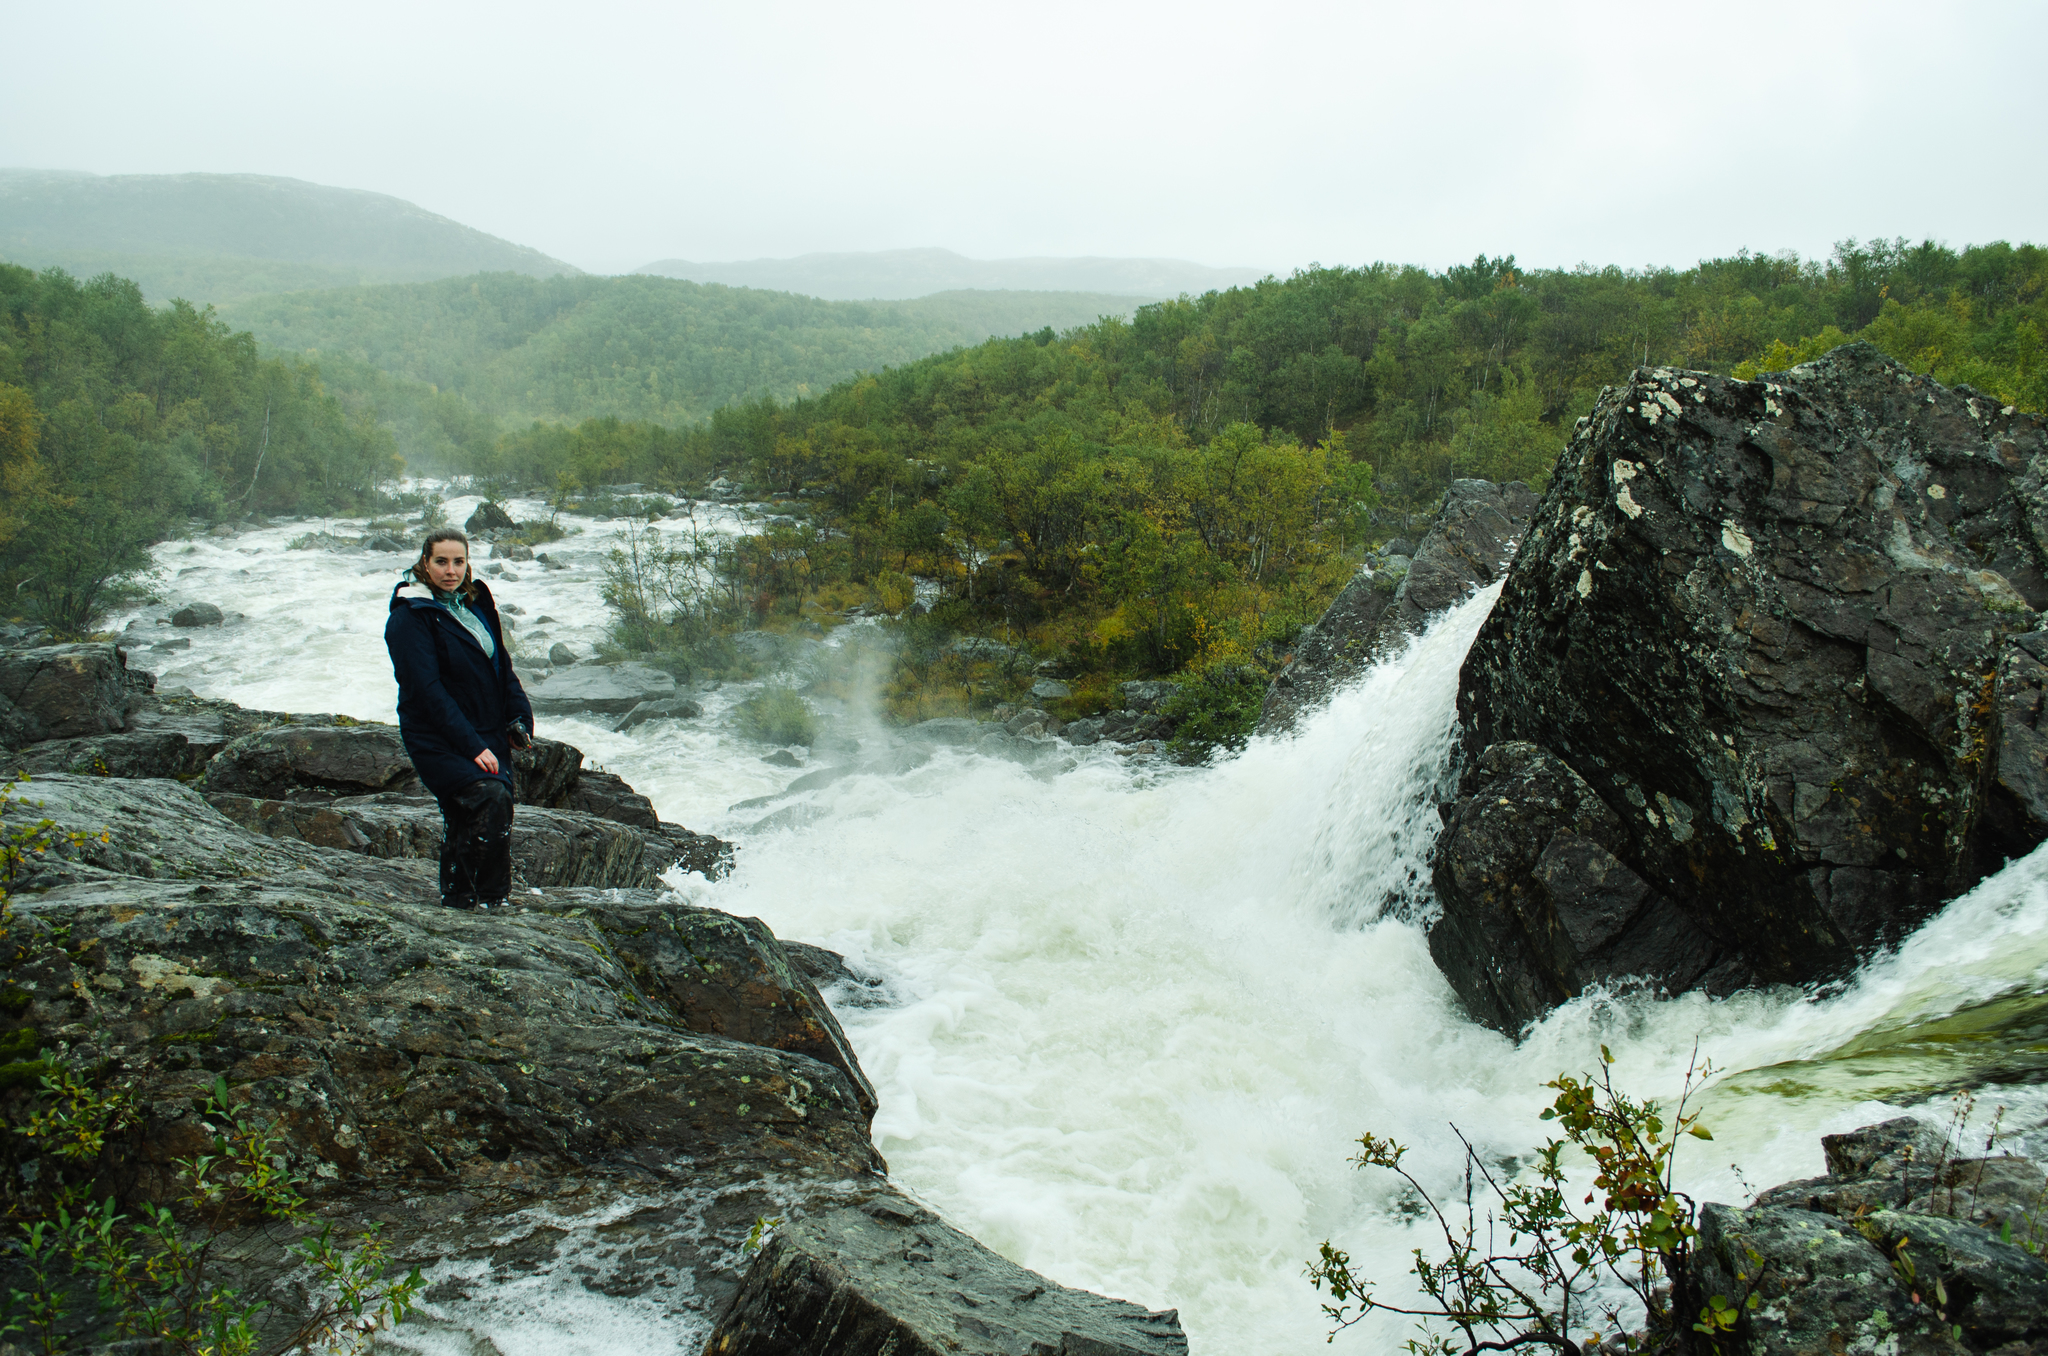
[
  {"x": 1467, "y": 547},
  {"x": 1785, "y": 632}
]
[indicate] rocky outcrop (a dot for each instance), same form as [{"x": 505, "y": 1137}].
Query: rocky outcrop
[
  {"x": 1784, "y": 632},
  {"x": 606, "y": 1084},
  {"x": 549, "y": 847},
  {"x": 1468, "y": 546},
  {"x": 62, "y": 691},
  {"x": 611, "y": 689},
  {"x": 1904, "y": 1246},
  {"x": 886, "y": 1275},
  {"x": 316, "y": 763}
]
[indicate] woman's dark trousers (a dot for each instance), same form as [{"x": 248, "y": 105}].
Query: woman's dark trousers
[{"x": 476, "y": 853}]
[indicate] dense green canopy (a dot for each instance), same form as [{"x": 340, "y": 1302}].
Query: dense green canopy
[{"x": 117, "y": 420}]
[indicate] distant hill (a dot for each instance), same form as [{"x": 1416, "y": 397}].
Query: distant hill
[
  {"x": 903, "y": 274},
  {"x": 441, "y": 363},
  {"x": 217, "y": 237}
]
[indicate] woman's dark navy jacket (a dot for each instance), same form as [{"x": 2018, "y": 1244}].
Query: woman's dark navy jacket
[{"x": 453, "y": 701}]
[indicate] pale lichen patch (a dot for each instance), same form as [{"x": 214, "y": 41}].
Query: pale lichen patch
[{"x": 1735, "y": 539}]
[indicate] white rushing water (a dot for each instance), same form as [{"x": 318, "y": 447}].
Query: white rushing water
[{"x": 1140, "y": 1016}]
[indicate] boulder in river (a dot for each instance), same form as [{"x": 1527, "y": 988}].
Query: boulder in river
[
  {"x": 666, "y": 708},
  {"x": 489, "y": 517},
  {"x": 197, "y": 614},
  {"x": 611, "y": 689},
  {"x": 1785, "y": 631},
  {"x": 1468, "y": 546},
  {"x": 562, "y": 657}
]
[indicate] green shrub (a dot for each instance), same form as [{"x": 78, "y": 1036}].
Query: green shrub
[
  {"x": 1216, "y": 710},
  {"x": 778, "y": 715}
]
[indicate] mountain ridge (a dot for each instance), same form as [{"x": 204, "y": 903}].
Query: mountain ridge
[
  {"x": 216, "y": 237},
  {"x": 907, "y": 274}
]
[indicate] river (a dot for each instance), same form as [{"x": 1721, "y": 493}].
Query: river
[{"x": 1137, "y": 1015}]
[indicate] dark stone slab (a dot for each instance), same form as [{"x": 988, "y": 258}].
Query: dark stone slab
[{"x": 888, "y": 1276}]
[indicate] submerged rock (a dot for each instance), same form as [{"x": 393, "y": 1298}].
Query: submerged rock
[
  {"x": 1784, "y": 631},
  {"x": 1468, "y": 546},
  {"x": 887, "y": 1275},
  {"x": 666, "y": 708}
]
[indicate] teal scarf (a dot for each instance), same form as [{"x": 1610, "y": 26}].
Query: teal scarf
[{"x": 471, "y": 622}]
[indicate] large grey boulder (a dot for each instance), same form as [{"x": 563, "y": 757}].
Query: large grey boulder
[
  {"x": 314, "y": 763},
  {"x": 1783, "y": 630},
  {"x": 489, "y": 517},
  {"x": 197, "y": 614},
  {"x": 421, "y": 1061},
  {"x": 888, "y": 1276},
  {"x": 153, "y": 830},
  {"x": 62, "y": 691},
  {"x": 1469, "y": 544},
  {"x": 610, "y": 689},
  {"x": 1546, "y": 908},
  {"x": 549, "y": 847}
]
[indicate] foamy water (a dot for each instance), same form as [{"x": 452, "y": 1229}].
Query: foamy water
[{"x": 1142, "y": 1013}]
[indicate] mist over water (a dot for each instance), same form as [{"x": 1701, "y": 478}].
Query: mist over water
[{"x": 1135, "y": 1016}]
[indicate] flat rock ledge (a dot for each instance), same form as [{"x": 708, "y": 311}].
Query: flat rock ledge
[{"x": 885, "y": 1275}]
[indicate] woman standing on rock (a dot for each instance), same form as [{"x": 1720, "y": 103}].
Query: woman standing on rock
[{"x": 461, "y": 712}]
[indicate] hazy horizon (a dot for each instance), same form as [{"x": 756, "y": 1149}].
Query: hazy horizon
[{"x": 1306, "y": 132}]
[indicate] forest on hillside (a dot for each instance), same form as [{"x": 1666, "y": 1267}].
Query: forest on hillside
[
  {"x": 1175, "y": 492},
  {"x": 119, "y": 422},
  {"x": 446, "y": 365},
  {"x": 1187, "y": 488}
]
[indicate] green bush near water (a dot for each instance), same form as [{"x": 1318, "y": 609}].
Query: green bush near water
[{"x": 778, "y": 715}]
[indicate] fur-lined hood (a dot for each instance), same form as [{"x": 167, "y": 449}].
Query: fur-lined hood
[{"x": 413, "y": 592}]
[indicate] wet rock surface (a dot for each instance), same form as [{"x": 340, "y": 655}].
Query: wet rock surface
[
  {"x": 1468, "y": 546},
  {"x": 63, "y": 691},
  {"x": 613, "y": 689},
  {"x": 886, "y": 1275},
  {"x": 1785, "y": 631},
  {"x": 1904, "y": 1246}
]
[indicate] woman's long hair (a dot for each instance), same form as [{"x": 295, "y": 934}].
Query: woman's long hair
[{"x": 419, "y": 568}]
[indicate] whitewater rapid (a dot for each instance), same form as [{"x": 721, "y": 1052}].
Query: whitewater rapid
[{"x": 1137, "y": 1016}]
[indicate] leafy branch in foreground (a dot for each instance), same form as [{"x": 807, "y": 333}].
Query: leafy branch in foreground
[
  {"x": 1558, "y": 1279},
  {"x": 152, "y": 1273}
]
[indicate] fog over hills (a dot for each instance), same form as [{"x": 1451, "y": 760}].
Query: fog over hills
[
  {"x": 216, "y": 237},
  {"x": 902, "y": 274}
]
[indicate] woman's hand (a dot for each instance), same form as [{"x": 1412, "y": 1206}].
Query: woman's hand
[{"x": 488, "y": 761}]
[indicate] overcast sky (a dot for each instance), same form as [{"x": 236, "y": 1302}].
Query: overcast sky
[{"x": 1267, "y": 134}]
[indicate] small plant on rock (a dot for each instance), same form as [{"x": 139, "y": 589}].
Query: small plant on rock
[{"x": 1542, "y": 1287}]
